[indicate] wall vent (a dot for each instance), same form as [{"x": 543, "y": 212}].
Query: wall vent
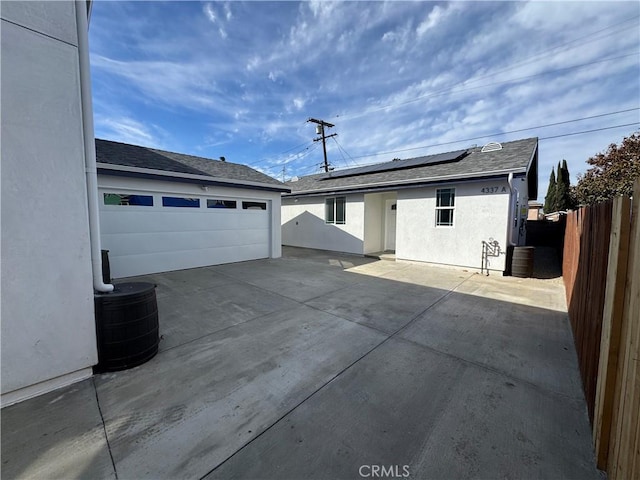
[{"x": 491, "y": 147}]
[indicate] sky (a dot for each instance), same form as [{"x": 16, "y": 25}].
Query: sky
[{"x": 397, "y": 79}]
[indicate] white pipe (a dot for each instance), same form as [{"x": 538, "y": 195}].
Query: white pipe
[
  {"x": 89, "y": 146},
  {"x": 512, "y": 190}
]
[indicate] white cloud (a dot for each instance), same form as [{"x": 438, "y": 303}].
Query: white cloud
[
  {"x": 187, "y": 84},
  {"x": 390, "y": 75},
  {"x": 209, "y": 12},
  {"x": 273, "y": 75},
  {"x": 212, "y": 16},
  {"x": 127, "y": 130},
  {"x": 253, "y": 63},
  {"x": 432, "y": 20},
  {"x": 227, "y": 12},
  {"x": 299, "y": 103}
]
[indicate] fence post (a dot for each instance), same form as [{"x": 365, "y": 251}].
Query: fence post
[
  {"x": 611, "y": 328},
  {"x": 624, "y": 452}
]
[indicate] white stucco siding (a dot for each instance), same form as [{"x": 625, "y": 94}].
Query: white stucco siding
[
  {"x": 373, "y": 223},
  {"x": 48, "y": 327},
  {"x": 149, "y": 239},
  {"x": 478, "y": 216},
  {"x": 303, "y": 225}
]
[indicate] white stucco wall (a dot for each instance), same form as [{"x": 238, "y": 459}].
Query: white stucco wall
[
  {"x": 48, "y": 329},
  {"x": 198, "y": 250},
  {"x": 478, "y": 216},
  {"x": 303, "y": 225},
  {"x": 373, "y": 222}
]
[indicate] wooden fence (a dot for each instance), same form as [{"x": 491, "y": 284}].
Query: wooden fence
[
  {"x": 605, "y": 316},
  {"x": 584, "y": 269}
]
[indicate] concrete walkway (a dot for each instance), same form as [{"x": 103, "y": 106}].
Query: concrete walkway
[{"x": 320, "y": 365}]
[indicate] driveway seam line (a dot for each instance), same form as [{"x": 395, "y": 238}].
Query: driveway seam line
[
  {"x": 332, "y": 379},
  {"x": 301, "y": 302},
  {"x": 104, "y": 427},
  {"x": 488, "y": 368},
  {"x": 227, "y": 328}
]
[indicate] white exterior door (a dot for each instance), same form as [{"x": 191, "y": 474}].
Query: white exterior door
[
  {"x": 151, "y": 232},
  {"x": 390, "y": 225}
]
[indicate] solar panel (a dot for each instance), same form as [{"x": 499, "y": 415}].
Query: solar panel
[{"x": 399, "y": 164}]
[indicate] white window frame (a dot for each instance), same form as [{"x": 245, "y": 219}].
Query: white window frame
[
  {"x": 452, "y": 208},
  {"x": 334, "y": 220}
]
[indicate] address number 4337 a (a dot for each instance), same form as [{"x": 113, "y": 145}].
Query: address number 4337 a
[{"x": 493, "y": 190}]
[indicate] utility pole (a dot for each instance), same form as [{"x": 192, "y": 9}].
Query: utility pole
[{"x": 320, "y": 130}]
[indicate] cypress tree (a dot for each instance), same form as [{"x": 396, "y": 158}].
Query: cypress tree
[
  {"x": 562, "y": 198},
  {"x": 570, "y": 201},
  {"x": 550, "y": 198}
]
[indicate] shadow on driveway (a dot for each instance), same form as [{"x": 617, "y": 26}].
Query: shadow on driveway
[{"x": 320, "y": 365}]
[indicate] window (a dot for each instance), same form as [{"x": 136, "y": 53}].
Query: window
[
  {"x": 180, "y": 202},
  {"x": 254, "y": 205},
  {"x": 213, "y": 203},
  {"x": 335, "y": 210},
  {"x": 445, "y": 205},
  {"x": 118, "y": 199}
]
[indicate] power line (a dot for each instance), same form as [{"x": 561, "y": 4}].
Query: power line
[
  {"x": 497, "y": 134},
  {"x": 517, "y": 79},
  {"x": 591, "y": 36},
  {"x": 307, "y": 144},
  {"x": 343, "y": 150},
  {"x": 346, "y": 163},
  {"x": 313, "y": 167},
  {"x": 300, "y": 155},
  {"x": 590, "y": 131}
]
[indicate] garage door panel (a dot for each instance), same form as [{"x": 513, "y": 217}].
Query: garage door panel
[
  {"x": 154, "y": 242},
  {"x": 132, "y": 265},
  {"x": 114, "y": 221},
  {"x": 144, "y": 240}
]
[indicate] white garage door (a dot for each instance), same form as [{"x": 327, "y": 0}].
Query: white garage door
[{"x": 158, "y": 232}]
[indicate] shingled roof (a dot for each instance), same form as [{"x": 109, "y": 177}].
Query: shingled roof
[
  {"x": 126, "y": 155},
  {"x": 514, "y": 157}
]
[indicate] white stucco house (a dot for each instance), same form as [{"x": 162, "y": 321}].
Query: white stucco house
[
  {"x": 163, "y": 211},
  {"x": 437, "y": 208}
]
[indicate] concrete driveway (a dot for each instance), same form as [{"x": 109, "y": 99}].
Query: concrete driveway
[{"x": 320, "y": 365}]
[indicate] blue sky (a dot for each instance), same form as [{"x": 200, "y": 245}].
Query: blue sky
[{"x": 398, "y": 79}]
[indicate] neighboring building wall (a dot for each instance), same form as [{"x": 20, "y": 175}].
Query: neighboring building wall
[
  {"x": 127, "y": 185},
  {"x": 478, "y": 216},
  {"x": 48, "y": 327},
  {"x": 303, "y": 225},
  {"x": 535, "y": 212}
]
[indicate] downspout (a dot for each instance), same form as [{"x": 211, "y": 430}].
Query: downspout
[
  {"x": 512, "y": 190},
  {"x": 89, "y": 147}
]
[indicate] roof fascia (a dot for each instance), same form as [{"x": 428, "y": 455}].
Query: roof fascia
[
  {"x": 414, "y": 182},
  {"x": 393, "y": 188},
  {"x": 137, "y": 172}
]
